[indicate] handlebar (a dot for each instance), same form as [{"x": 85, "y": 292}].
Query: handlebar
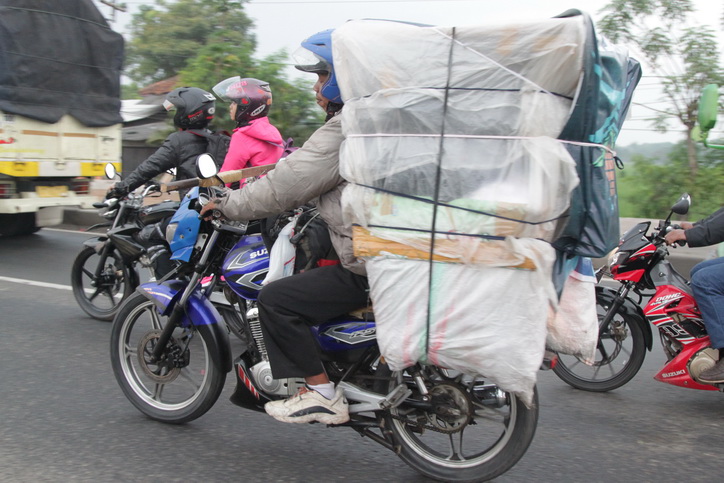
[{"x": 220, "y": 179}]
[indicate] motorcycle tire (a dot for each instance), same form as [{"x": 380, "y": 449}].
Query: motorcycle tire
[
  {"x": 184, "y": 384},
  {"x": 497, "y": 435},
  {"x": 101, "y": 298},
  {"x": 620, "y": 353}
]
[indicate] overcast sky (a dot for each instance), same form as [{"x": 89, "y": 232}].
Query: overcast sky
[{"x": 282, "y": 24}]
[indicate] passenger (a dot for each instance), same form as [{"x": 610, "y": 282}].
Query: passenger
[{"x": 255, "y": 141}]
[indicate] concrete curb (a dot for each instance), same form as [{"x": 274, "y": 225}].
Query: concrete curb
[{"x": 81, "y": 218}]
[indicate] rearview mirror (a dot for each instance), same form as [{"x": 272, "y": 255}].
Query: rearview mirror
[
  {"x": 681, "y": 207},
  {"x": 708, "y": 107},
  {"x": 206, "y": 166},
  {"x": 706, "y": 118},
  {"x": 110, "y": 170}
]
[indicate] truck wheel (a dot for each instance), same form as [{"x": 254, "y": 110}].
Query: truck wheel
[{"x": 17, "y": 224}]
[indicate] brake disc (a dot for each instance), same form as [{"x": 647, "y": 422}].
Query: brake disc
[{"x": 163, "y": 371}]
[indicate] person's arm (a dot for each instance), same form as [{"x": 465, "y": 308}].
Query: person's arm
[
  {"x": 708, "y": 231},
  {"x": 307, "y": 173},
  {"x": 163, "y": 159}
]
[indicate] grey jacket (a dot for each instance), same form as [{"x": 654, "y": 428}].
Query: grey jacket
[{"x": 308, "y": 174}]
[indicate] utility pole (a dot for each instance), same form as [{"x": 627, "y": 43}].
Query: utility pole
[{"x": 117, "y": 7}]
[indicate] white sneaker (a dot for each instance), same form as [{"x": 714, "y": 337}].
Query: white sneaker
[{"x": 308, "y": 406}]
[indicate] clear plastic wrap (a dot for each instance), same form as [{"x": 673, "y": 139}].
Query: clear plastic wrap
[{"x": 453, "y": 165}]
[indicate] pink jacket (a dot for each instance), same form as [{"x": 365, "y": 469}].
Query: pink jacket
[{"x": 256, "y": 144}]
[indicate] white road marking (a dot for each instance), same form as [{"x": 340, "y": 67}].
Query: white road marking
[{"x": 36, "y": 284}]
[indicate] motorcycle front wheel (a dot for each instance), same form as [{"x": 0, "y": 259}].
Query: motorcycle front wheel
[
  {"x": 183, "y": 385},
  {"x": 620, "y": 353},
  {"x": 100, "y": 296},
  {"x": 475, "y": 431}
]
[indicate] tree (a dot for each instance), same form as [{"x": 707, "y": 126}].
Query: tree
[
  {"x": 165, "y": 37},
  {"x": 207, "y": 41},
  {"x": 686, "y": 58},
  {"x": 648, "y": 187}
]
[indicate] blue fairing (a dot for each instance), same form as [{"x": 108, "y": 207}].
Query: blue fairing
[
  {"x": 165, "y": 294},
  {"x": 187, "y": 228},
  {"x": 246, "y": 266}
]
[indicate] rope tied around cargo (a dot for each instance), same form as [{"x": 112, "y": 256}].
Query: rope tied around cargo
[
  {"x": 483, "y": 136},
  {"x": 454, "y": 207},
  {"x": 436, "y": 197},
  {"x": 483, "y": 56}
]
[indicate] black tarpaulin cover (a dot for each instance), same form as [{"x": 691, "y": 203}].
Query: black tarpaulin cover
[{"x": 57, "y": 58}]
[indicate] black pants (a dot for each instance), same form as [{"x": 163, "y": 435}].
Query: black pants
[{"x": 288, "y": 307}]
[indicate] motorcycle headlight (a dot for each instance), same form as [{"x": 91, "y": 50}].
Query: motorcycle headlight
[
  {"x": 612, "y": 258},
  {"x": 171, "y": 232},
  {"x": 617, "y": 257}
]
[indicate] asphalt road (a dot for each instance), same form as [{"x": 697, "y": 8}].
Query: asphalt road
[{"x": 63, "y": 417}]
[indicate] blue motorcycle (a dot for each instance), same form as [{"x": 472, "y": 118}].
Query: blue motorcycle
[{"x": 170, "y": 352}]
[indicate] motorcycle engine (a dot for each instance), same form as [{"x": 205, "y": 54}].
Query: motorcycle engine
[
  {"x": 702, "y": 360},
  {"x": 262, "y": 375}
]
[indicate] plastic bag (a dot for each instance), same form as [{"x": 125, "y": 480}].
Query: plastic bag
[
  {"x": 283, "y": 254},
  {"x": 573, "y": 329}
]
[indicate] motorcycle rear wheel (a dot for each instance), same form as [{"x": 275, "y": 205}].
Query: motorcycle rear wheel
[
  {"x": 619, "y": 355},
  {"x": 475, "y": 444},
  {"x": 163, "y": 391},
  {"x": 100, "y": 297}
]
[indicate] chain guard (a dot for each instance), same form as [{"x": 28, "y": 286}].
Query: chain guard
[{"x": 169, "y": 367}]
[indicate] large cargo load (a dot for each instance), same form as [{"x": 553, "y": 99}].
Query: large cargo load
[
  {"x": 462, "y": 165},
  {"x": 60, "y": 122}
]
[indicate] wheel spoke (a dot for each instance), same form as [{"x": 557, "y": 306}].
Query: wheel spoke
[
  {"x": 186, "y": 376},
  {"x": 90, "y": 274},
  {"x": 155, "y": 318},
  {"x": 456, "y": 446},
  {"x": 95, "y": 294},
  {"x": 109, "y": 293},
  {"x": 158, "y": 392}
]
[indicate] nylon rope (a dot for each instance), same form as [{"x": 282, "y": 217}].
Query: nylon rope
[{"x": 437, "y": 191}]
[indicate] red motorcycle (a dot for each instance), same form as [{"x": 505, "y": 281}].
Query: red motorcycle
[{"x": 640, "y": 264}]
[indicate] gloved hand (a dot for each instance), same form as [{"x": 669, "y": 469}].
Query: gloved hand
[{"x": 116, "y": 192}]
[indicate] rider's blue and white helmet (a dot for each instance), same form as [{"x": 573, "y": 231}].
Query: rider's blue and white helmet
[{"x": 315, "y": 55}]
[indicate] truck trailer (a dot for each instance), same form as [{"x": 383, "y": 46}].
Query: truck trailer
[{"x": 60, "y": 122}]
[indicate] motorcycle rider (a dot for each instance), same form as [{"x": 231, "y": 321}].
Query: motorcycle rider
[
  {"x": 255, "y": 141},
  {"x": 194, "y": 111},
  {"x": 707, "y": 283},
  {"x": 288, "y": 307}
]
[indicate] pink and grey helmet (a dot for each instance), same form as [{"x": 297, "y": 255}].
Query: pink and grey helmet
[{"x": 253, "y": 98}]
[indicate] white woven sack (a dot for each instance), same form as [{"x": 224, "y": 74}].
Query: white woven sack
[{"x": 487, "y": 321}]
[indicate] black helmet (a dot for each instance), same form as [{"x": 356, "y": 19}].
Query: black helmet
[
  {"x": 194, "y": 107},
  {"x": 253, "y": 97}
]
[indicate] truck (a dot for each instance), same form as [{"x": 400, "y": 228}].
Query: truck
[{"x": 60, "y": 121}]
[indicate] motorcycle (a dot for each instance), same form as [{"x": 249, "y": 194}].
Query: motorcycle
[
  {"x": 640, "y": 265},
  {"x": 170, "y": 354},
  {"x": 104, "y": 272}
]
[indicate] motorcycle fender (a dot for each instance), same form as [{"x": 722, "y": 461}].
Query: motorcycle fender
[
  {"x": 97, "y": 243},
  {"x": 200, "y": 310},
  {"x": 629, "y": 308}
]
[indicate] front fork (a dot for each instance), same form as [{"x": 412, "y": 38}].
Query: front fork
[{"x": 180, "y": 307}]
